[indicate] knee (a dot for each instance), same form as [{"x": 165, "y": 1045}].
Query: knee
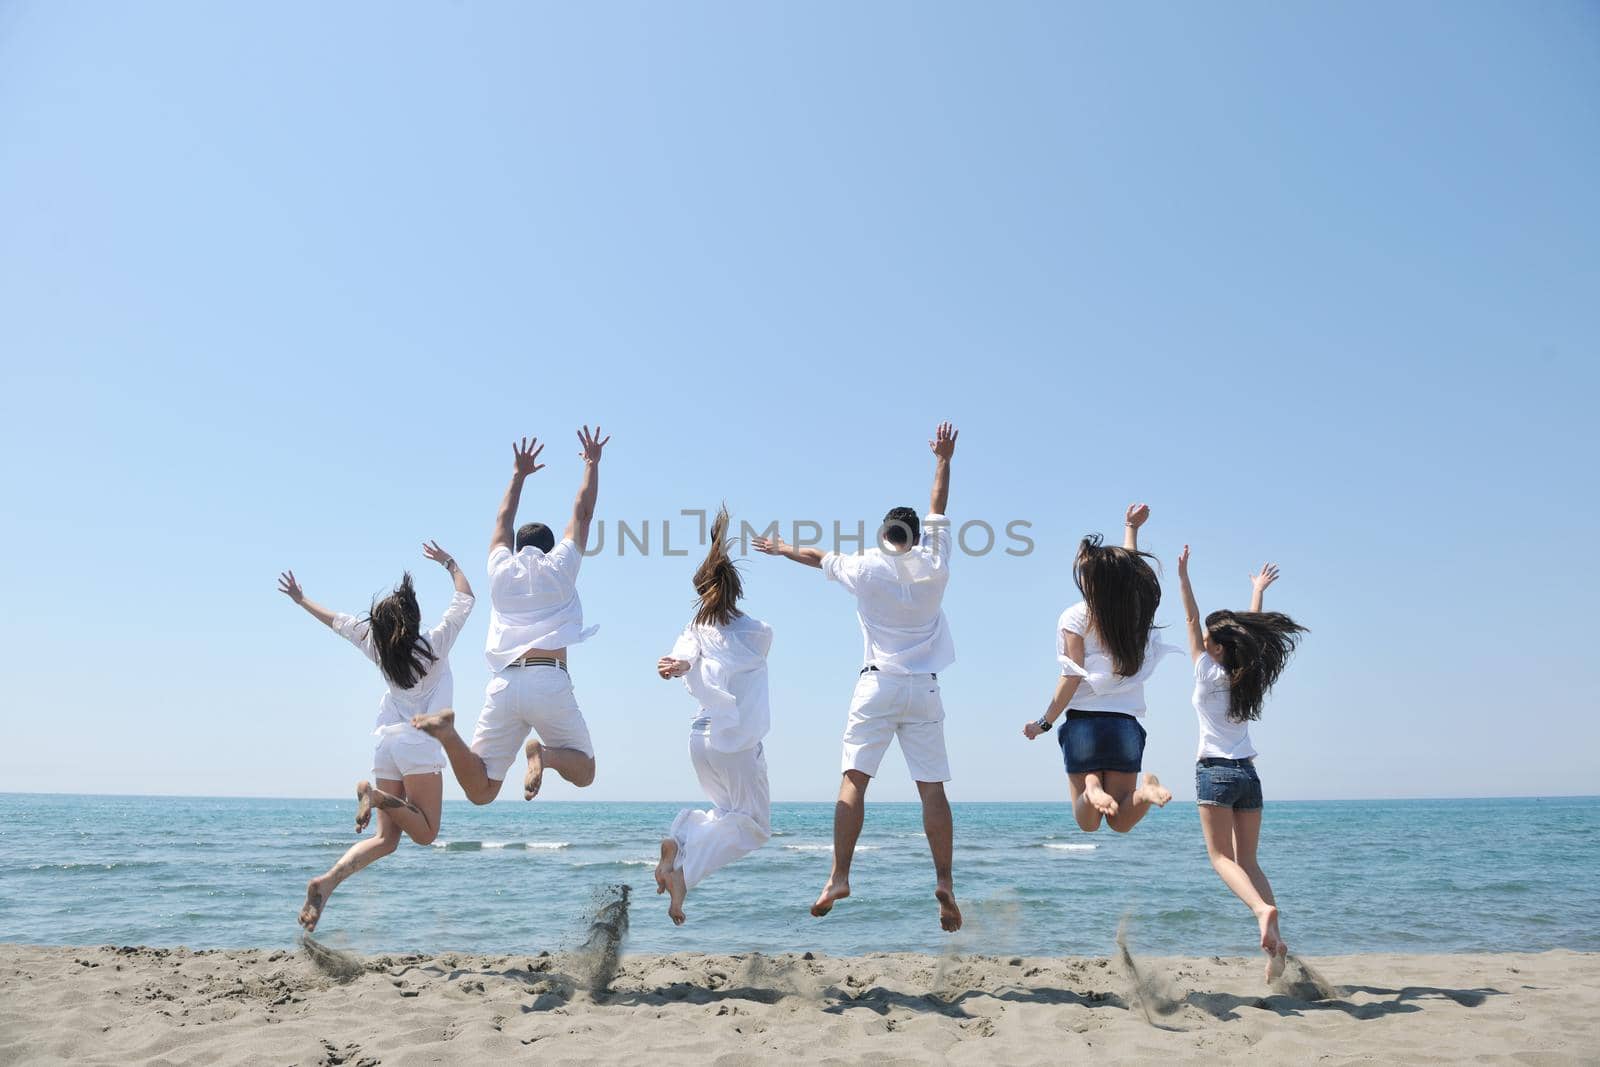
[
  {"x": 426, "y": 837},
  {"x": 583, "y": 776},
  {"x": 854, "y": 786},
  {"x": 1088, "y": 819},
  {"x": 483, "y": 795},
  {"x": 388, "y": 841}
]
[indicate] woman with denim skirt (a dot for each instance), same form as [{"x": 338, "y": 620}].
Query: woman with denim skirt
[
  {"x": 1238, "y": 655},
  {"x": 1107, "y": 646}
]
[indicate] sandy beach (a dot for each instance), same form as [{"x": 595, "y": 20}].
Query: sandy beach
[{"x": 175, "y": 1006}]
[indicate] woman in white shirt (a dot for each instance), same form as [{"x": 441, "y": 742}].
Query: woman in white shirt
[
  {"x": 1237, "y": 658},
  {"x": 405, "y": 762},
  {"x": 722, "y": 658},
  {"x": 1107, "y": 646}
]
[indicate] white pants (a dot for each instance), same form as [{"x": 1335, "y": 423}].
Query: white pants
[
  {"x": 520, "y": 699},
  {"x": 741, "y": 822},
  {"x": 886, "y": 706}
]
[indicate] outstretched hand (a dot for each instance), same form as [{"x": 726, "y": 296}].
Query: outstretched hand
[
  {"x": 1183, "y": 562},
  {"x": 768, "y": 546},
  {"x": 1031, "y": 730},
  {"x": 1267, "y": 575},
  {"x": 944, "y": 440},
  {"x": 289, "y": 587},
  {"x": 432, "y": 550},
  {"x": 1136, "y": 515},
  {"x": 668, "y": 667},
  {"x": 592, "y": 444},
  {"x": 526, "y": 456}
]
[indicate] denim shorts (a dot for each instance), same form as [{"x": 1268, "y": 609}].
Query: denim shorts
[
  {"x": 1227, "y": 783},
  {"x": 1101, "y": 741}
]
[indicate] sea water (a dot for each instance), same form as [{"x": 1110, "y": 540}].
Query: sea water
[{"x": 1353, "y": 876}]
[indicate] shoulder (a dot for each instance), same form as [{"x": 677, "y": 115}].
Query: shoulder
[
  {"x": 500, "y": 557},
  {"x": 1208, "y": 669},
  {"x": 1075, "y": 619}
]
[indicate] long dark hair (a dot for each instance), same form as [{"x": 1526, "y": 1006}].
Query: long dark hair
[
  {"x": 1255, "y": 647},
  {"x": 716, "y": 582},
  {"x": 404, "y": 655},
  {"x": 1122, "y": 592}
]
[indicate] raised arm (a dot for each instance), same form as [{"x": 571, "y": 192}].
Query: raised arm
[
  {"x": 1191, "y": 610},
  {"x": 943, "y": 446},
  {"x": 1259, "y": 583},
  {"x": 589, "y": 489},
  {"x": 525, "y": 461},
  {"x": 1135, "y": 518},
  {"x": 1066, "y": 688},
  {"x": 432, "y": 550},
  {"x": 811, "y": 557},
  {"x": 291, "y": 589}
]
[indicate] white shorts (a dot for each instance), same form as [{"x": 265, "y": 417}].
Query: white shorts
[
  {"x": 520, "y": 699},
  {"x": 402, "y": 749},
  {"x": 907, "y": 706}
]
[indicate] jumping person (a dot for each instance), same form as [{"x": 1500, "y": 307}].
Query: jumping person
[
  {"x": 1237, "y": 659},
  {"x": 1108, "y": 647},
  {"x": 534, "y": 616},
  {"x": 899, "y": 588},
  {"x": 406, "y": 762},
  {"x": 722, "y": 658}
]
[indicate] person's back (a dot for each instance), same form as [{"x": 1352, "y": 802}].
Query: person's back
[
  {"x": 900, "y": 601},
  {"x": 434, "y": 686},
  {"x": 533, "y": 600},
  {"x": 728, "y": 677}
]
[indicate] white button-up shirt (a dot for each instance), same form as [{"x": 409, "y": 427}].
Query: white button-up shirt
[
  {"x": 1102, "y": 688},
  {"x": 728, "y": 676},
  {"x": 899, "y": 601},
  {"x": 533, "y": 601},
  {"x": 434, "y": 690}
]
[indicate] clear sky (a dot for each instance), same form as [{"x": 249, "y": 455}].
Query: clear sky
[{"x": 279, "y": 284}]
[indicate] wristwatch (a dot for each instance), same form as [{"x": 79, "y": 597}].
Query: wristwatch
[{"x": 1045, "y": 725}]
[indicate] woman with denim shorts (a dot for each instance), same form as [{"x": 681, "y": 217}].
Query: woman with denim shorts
[
  {"x": 1107, "y": 646},
  {"x": 1237, "y": 658}
]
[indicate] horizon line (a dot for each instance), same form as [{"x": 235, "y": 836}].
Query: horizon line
[{"x": 701, "y": 800}]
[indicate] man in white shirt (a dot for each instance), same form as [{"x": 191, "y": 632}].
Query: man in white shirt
[
  {"x": 534, "y": 615},
  {"x": 899, "y": 590}
]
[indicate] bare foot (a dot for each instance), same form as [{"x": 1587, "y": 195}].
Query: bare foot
[
  {"x": 1267, "y": 919},
  {"x": 949, "y": 914},
  {"x": 434, "y": 725},
  {"x": 363, "y": 807},
  {"x": 388, "y": 801},
  {"x": 315, "y": 899},
  {"x": 1098, "y": 798},
  {"x": 1153, "y": 792},
  {"x": 836, "y": 890},
  {"x": 535, "y": 776},
  {"x": 676, "y": 891},
  {"x": 669, "y": 859},
  {"x": 1275, "y": 963}
]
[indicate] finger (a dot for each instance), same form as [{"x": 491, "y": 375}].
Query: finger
[
  {"x": 607, "y": 441},
  {"x": 537, "y": 451}
]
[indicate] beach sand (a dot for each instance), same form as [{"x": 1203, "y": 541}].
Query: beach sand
[{"x": 156, "y": 1005}]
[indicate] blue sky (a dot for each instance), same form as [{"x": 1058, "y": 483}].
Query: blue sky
[{"x": 280, "y": 283}]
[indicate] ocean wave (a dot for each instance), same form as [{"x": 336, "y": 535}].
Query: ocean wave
[
  {"x": 828, "y": 848},
  {"x": 1071, "y": 848},
  {"x": 473, "y": 846}
]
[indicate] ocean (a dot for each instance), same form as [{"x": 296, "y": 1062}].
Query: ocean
[{"x": 1418, "y": 876}]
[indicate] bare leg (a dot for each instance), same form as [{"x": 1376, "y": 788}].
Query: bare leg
[
  {"x": 571, "y": 764},
  {"x": 1246, "y": 835},
  {"x": 318, "y": 890},
  {"x": 669, "y": 859},
  {"x": 676, "y": 891},
  {"x": 1134, "y": 800},
  {"x": 394, "y": 797},
  {"x": 1083, "y": 809},
  {"x": 1219, "y": 825},
  {"x": 467, "y": 765},
  {"x": 848, "y": 814},
  {"x": 939, "y": 827}
]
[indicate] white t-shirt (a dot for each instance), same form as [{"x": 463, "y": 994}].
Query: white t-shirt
[
  {"x": 728, "y": 677},
  {"x": 1102, "y": 688},
  {"x": 898, "y": 600},
  {"x": 436, "y": 688},
  {"x": 1220, "y": 736},
  {"x": 533, "y": 601}
]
